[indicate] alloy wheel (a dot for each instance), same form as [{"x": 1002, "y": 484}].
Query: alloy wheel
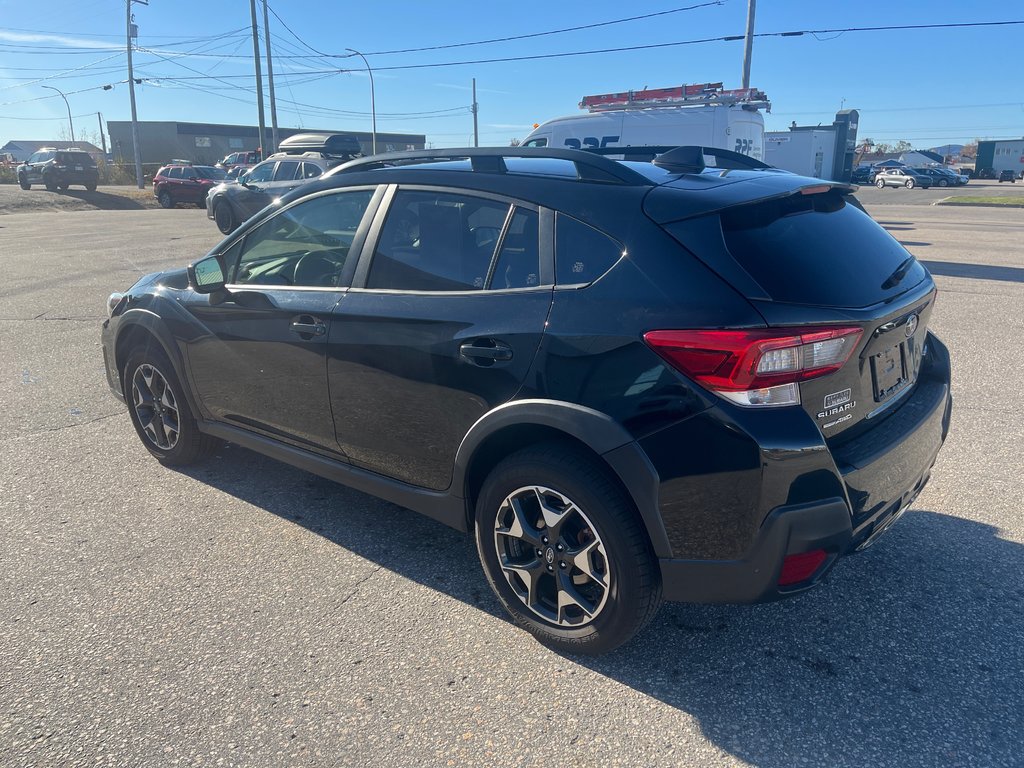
[
  {"x": 156, "y": 407},
  {"x": 552, "y": 556}
]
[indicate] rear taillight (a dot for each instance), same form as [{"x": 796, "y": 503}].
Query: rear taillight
[{"x": 759, "y": 367}]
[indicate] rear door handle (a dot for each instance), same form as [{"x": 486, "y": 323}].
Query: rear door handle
[
  {"x": 486, "y": 351},
  {"x": 308, "y": 326}
]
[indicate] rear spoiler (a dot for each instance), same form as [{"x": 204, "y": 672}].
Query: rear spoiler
[{"x": 688, "y": 159}]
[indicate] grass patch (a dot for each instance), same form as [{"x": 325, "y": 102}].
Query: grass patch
[{"x": 1001, "y": 202}]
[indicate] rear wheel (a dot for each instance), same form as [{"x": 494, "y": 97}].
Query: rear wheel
[
  {"x": 880, "y": 184},
  {"x": 50, "y": 183},
  {"x": 90, "y": 187},
  {"x": 164, "y": 198},
  {"x": 23, "y": 181},
  {"x": 225, "y": 218},
  {"x": 63, "y": 187},
  {"x": 563, "y": 549},
  {"x": 159, "y": 411}
]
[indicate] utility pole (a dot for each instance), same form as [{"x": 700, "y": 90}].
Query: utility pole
[
  {"x": 748, "y": 43},
  {"x": 373, "y": 101},
  {"x": 103, "y": 138},
  {"x": 131, "y": 90},
  {"x": 476, "y": 131},
  {"x": 259, "y": 78},
  {"x": 270, "y": 79}
]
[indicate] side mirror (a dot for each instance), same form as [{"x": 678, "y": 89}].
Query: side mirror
[{"x": 207, "y": 275}]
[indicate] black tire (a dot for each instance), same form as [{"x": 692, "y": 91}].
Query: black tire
[
  {"x": 600, "y": 514},
  {"x": 909, "y": 184},
  {"x": 943, "y": 183},
  {"x": 23, "y": 182},
  {"x": 880, "y": 184},
  {"x": 188, "y": 444},
  {"x": 165, "y": 199},
  {"x": 225, "y": 217},
  {"x": 50, "y": 183},
  {"x": 90, "y": 187},
  {"x": 201, "y": 205},
  {"x": 63, "y": 187}
]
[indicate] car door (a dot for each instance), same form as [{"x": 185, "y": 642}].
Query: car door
[
  {"x": 260, "y": 362},
  {"x": 251, "y": 194},
  {"x": 441, "y": 325},
  {"x": 287, "y": 176}
]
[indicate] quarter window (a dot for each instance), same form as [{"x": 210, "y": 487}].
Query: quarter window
[
  {"x": 582, "y": 254},
  {"x": 437, "y": 242},
  {"x": 310, "y": 171},
  {"x": 305, "y": 245}
]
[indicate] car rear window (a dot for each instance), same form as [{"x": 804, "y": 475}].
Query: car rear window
[{"x": 818, "y": 249}]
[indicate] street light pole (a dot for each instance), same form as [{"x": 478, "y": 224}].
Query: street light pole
[
  {"x": 136, "y": 146},
  {"x": 58, "y": 90},
  {"x": 373, "y": 104}
]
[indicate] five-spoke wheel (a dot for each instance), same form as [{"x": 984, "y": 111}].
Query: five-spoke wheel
[{"x": 155, "y": 407}]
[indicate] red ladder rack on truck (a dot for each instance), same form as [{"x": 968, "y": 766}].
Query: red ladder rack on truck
[{"x": 702, "y": 93}]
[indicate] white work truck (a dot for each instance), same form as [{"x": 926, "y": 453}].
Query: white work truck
[{"x": 662, "y": 117}]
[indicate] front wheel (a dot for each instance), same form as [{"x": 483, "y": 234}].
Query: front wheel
[
  {"x": 880, "y": 184},
  {"x": 90, "y": 187},
  {"x": 23, "y": 182},
  {"x": 909, "y": 184},
  {"x": 159, "y": 411},
  {"x": 225, "y": 218},
  {"x": 943, "y": 183},
  {"x": 564, "y": 550}
]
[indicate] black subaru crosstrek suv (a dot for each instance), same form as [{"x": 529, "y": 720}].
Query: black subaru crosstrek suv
[
  {"x": 59, "y": 169},
  {"x": 630, "y": 380}
]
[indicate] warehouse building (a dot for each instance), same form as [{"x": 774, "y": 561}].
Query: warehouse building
[
  {"x": 820, "y": 151},
  {"x": 206, "y": 143},
  {"x": 1001, "y": 156}
]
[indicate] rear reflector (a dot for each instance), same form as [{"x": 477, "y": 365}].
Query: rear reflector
[
  {"x": 758, "y": 367},
  {"x": 797, "y": 568}
]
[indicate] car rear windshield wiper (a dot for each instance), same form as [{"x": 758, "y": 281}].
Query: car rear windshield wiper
[{"x": 899, "y": 273}]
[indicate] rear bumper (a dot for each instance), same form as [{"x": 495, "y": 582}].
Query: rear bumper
[{"x": 754, "y": 578}]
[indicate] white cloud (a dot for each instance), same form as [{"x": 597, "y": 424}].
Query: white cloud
[{"x": 35, "y": 37}]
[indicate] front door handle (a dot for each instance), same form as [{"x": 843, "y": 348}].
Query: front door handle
[
  {"x": 486, "y": 351},
  {"x": 308, "y": 326}
]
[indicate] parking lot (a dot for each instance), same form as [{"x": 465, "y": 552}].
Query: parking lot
[{"x": 245, "y": 613}]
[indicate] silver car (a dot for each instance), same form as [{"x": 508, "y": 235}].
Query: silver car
[{"x": 902, "y": 177}]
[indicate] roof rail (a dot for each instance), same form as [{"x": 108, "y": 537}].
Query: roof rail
[
  {"x": 589, "y": 166},
  {"x": 688, "y": 159}
]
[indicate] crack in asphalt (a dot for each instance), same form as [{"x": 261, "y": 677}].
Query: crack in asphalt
[{"x": 69, "y": 426}]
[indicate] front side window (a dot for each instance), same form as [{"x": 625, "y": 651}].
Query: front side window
[
  {"x": 263, "y": 172},
  {"x": 437, "y": 241},
  {"x": 582, "y": 254},
  {"x": 36, "y": 157},
  {"x": 305, "y": 245},
  {"x": 174, "y": 173}
]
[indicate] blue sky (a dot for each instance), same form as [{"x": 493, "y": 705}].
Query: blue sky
[{"x": 930, "y": 87}]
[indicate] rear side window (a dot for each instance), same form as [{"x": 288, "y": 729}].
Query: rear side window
[
  {"x": 818, "y": 249},
  {"x": 518, "y": 264},
  {"x": 582, "y": 253},
  {"x": 434, "y": 241},
  {"x": 310, "y": 171},
  {"x": 286, "y": 170}
]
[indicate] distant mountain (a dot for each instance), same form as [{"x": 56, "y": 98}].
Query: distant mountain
[{"x": 947, "y": 149}]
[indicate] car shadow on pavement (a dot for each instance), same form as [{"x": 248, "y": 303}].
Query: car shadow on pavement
[
  {"x": 910, "y": 654},
  {"x": 976, "y": 271},
  {"x": 105, "y": 201}
]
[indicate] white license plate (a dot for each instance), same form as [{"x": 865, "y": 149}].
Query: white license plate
[{"x": 78, "y": 167}]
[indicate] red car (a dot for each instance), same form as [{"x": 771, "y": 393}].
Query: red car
[{"x": 175, "y": 184}]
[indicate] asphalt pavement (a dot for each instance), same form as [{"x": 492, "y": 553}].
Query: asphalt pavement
[{"x": 244, "y": 613}]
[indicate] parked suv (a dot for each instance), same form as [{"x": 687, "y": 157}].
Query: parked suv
[
  {"x": 630, "y": 380},
  {"x": 59, "y": 169},
  {"x": 240, "y": 160},
  {"x": 185, "y": 183},
  {"x": 1007, "y": 175},
  {"x": 902, "y": 177},
  {"x": 302, "y": 157}
]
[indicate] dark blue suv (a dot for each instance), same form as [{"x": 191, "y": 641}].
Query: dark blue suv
[{"x": 631, "y": 380}]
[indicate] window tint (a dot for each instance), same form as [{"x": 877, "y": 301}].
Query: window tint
[
  {"x": 518, "y": 264},
  {"x": 536, "y": 143},
  {"x": 174, "y": 173},
  {"x": 263, "y": 172},
  {"x": 35, "y": 158},
  {"x": 817, "y": 249},
  {"x": 304, "y": 245},
  {"x": 286, "y": 170},
  {"x": 582, "y": 254},
  {"x": 310, "y": 170},
  {"x": 433, "y": 241}
]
